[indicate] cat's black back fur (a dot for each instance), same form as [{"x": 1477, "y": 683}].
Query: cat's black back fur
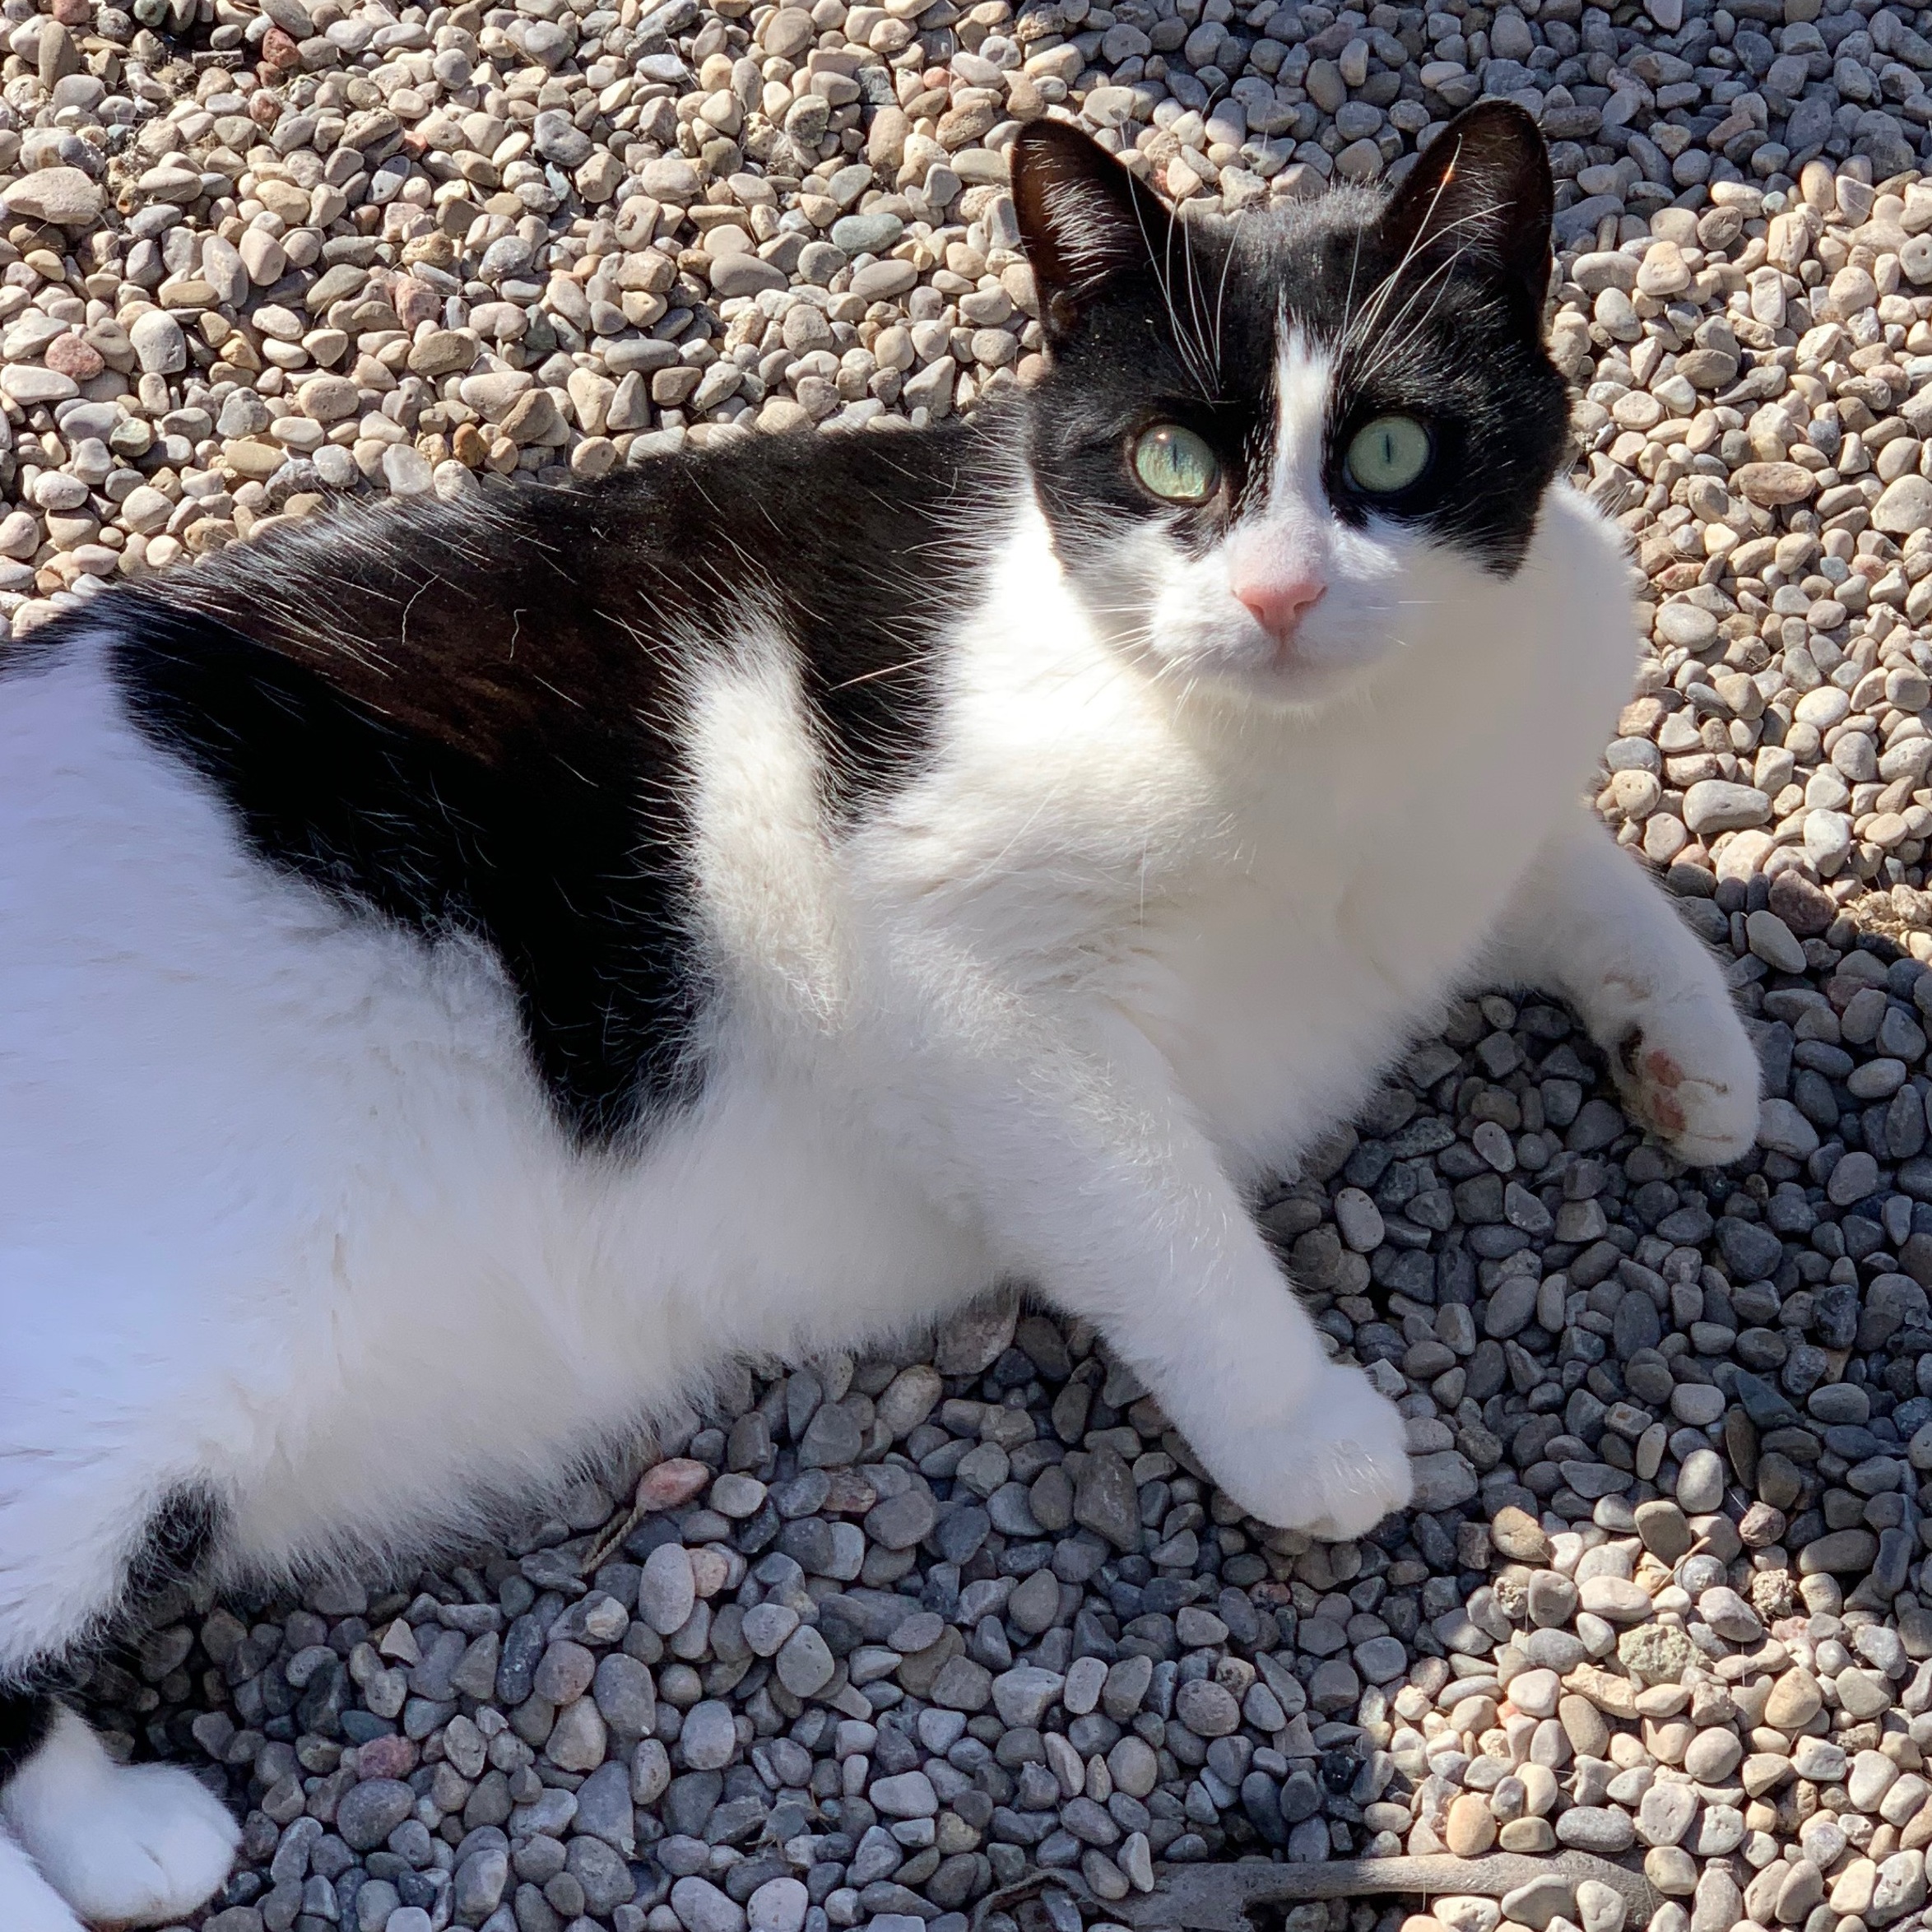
[{"x": 467, "y": 716}]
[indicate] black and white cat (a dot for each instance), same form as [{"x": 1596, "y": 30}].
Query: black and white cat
[{"x": 463, "y": 969}]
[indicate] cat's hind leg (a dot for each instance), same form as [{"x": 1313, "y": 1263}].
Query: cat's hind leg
[{"x": 129, "y": 1845}]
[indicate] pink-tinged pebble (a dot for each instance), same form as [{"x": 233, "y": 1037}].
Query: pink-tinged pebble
[
  {"x": 711, "y": 1570},
  {"x": 73, "y": 357},
  {"x": 671, "y": 1482},
  {"x": 386, "y": 1757},
  {"x": 414, "y": 302}
]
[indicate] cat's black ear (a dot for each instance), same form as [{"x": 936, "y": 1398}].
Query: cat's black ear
[
  {"x": 1084, "y": 220},
  {"x": 1481, "y": 189}
]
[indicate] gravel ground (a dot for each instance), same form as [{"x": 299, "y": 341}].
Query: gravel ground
[{"x": 886, "y": 1637}]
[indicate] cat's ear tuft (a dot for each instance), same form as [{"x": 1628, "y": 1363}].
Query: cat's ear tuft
[
  {"x": 1084, "y": 220},
  {"x": 1481, "y": 191}
]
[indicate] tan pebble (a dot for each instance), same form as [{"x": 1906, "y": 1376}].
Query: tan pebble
[
  {"x": 711, "y": 1569},
  {"x": 534, "y": 418},
  {"x": 443, "y": 352},
  {"x": 1671, "y": 1870},
  {"x": 1915, "y": 1834},
  {"x": 1024, "y": 102},
  {"x": 250, "y": 458},
  {"x": 1796, "y": 1698},
  {"x": 1519, "y": 1536},
  {"x": 1663, "y": 270},
  {"x": 595, "y": 455},
  {"x": 1771, "y": 484},
  {"x": 1527, "y": 1834},
  {"x": 1906, "y": 506},
  {"x": 1585, "y": 1726},
  {"x": 1763, "y": 1771},
  {"x": 1470, "y": 1828}
]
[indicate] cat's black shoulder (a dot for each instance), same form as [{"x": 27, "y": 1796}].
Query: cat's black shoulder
[{"x": 467, "y": 715}]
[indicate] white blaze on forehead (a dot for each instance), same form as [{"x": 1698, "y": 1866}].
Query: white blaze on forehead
[{"x": 1304, "y": 372}]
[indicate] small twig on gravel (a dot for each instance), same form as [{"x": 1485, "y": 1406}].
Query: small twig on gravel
[
  {"x": 1218, "y": 1898},
  {"x": 1031, "y": 1887},
  {"x": 608, "y": 1545}
]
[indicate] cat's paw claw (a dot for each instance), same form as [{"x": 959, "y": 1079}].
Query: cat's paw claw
[
  {"x": 1693, "y": 1085},
  {"x": 1335, "y": 1469}
]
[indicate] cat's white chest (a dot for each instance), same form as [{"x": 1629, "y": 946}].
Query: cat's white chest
[{"x": 1357, "y": 881}]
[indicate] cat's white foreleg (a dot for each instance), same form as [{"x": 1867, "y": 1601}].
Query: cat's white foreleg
[
  {"x": 1094, "y": 1183},
  {"x": 1588, "y": 923}
]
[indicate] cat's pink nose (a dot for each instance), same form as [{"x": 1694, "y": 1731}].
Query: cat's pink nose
[{"x": 1279, "y": 603}]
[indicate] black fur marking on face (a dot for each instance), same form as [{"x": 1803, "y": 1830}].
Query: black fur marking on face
[
  {"x": 1430, "y": 302},
  {"x": 467, "y": 718},
  {"x": 1453, "y": 336},
  {"x": 26, "y": 1719}
]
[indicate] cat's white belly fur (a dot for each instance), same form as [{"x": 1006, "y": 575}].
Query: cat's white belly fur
[
  {"x": 281, "y": 1203},
  {"x": 283, "y": 1207}
]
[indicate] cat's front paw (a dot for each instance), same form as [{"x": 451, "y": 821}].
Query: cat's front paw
[
  {"x": 1689, "y": 1074},
  {"x": 123, "y": 1844},
  {"x": 1336, "y": 1467},
  {"x": 159, "y": 1849}
]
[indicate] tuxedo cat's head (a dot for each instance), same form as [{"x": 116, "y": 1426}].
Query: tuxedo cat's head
[{"x": 1275, "y": 450}]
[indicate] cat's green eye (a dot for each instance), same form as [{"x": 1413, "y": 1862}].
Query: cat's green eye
[
  {"x": 1388, "y": 455},
  {"x": 1176, "y": 464}
]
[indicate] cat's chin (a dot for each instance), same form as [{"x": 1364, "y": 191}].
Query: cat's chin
[{"x": 1288, "y": 682}]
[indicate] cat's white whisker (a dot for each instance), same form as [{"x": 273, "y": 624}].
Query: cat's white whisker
[
  {"x": 1200, "y": 361},
  {"x": 1437, "y": 276},
  {"x": 1423, "y": 233},
  {"x": 1163, "y": 277},
  {"x": 1221, "y": 290}
]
